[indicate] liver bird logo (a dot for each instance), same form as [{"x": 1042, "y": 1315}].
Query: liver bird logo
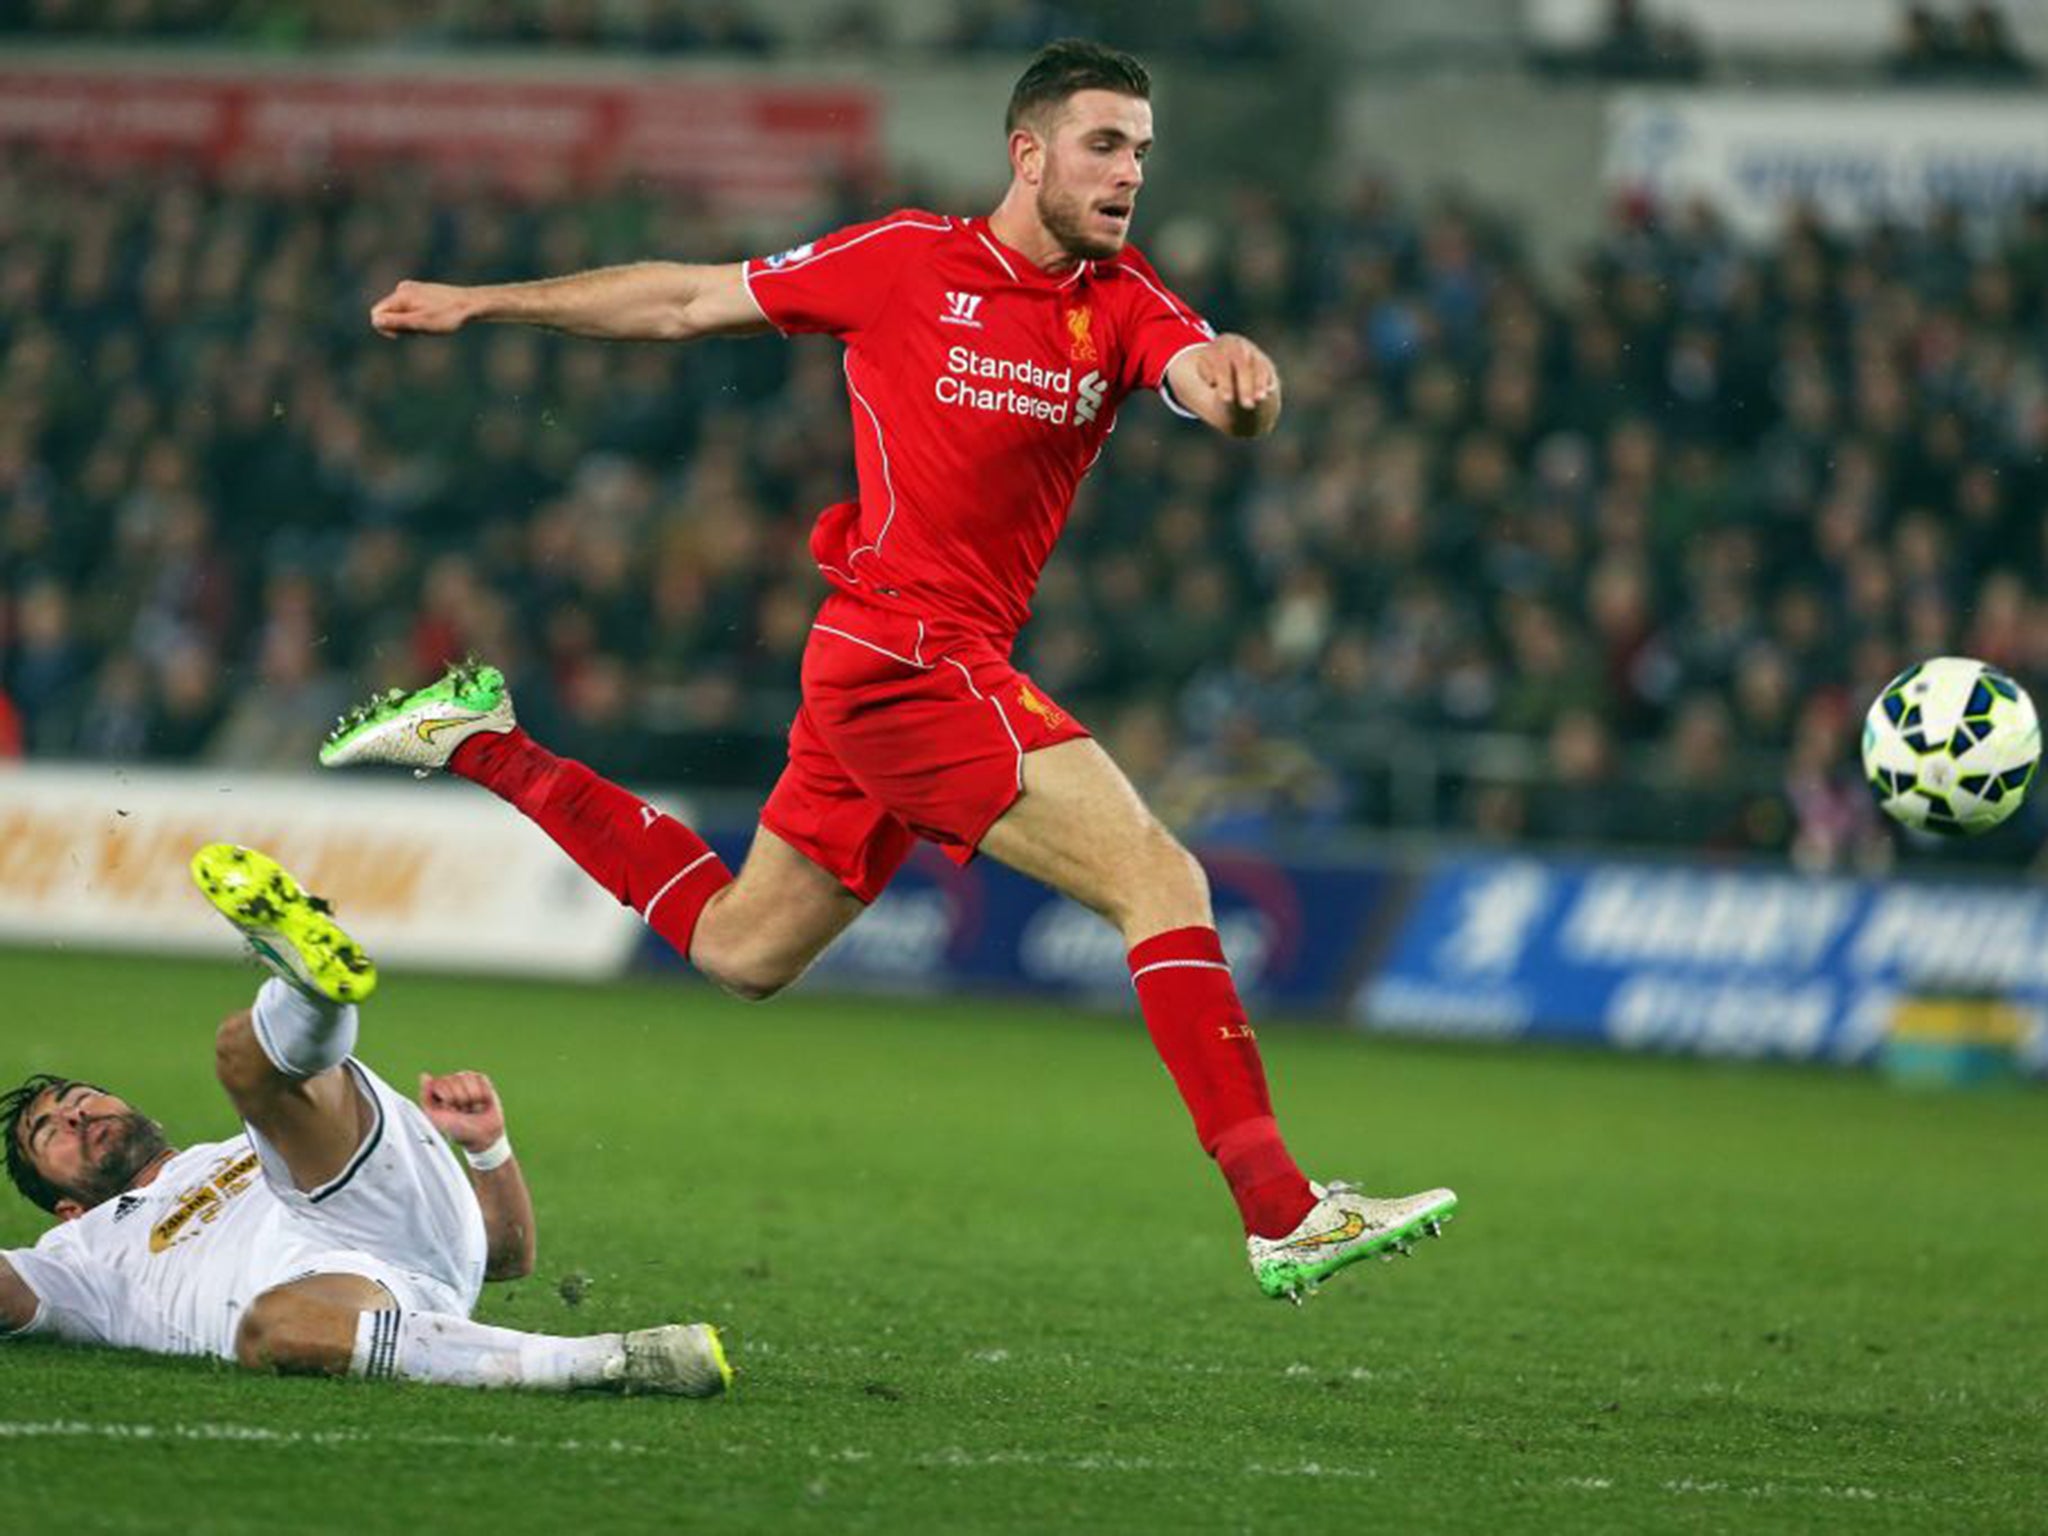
[
  {"x": 1080, "y": 337},
  {"x": 1050, "y": 714}
]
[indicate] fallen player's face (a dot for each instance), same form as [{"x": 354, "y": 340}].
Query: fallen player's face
[
  {"x": 88, "y": 1143},
  {"x": 1094, "y": 165}
]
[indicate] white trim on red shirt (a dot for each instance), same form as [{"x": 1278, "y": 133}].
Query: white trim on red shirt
[
  {"x": 882, "y": 446},
  {"x": 846, "y": 245},
  {"x": 1166, "y": 389},
  {"x": 1179, "y": 312},
  {"x": 997, "y": 252},
  {"x": 747, "y": 282}
]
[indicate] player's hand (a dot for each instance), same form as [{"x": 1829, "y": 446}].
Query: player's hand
[
  {"x": 1240, "y": 374},
  {"x": 464, "y": 1107},
  {"x": 430, "y": 309}
]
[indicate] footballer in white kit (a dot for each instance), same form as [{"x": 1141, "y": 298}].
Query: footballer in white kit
[
  {"x": 171, "y": 1265},
  {"x": 337, "y": 1234}
]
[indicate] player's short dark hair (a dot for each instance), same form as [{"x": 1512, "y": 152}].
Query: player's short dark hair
[
  {"x": 1074, "y": 64},
  {"x": 13, "y": 1105}
]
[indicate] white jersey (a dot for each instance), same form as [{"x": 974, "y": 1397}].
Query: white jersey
[{"x": 170, "y": 1267}]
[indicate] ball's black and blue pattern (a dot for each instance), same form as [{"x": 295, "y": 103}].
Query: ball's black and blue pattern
[{"x": 1950, "y": 745}]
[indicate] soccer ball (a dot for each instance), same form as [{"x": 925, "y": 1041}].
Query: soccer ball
[{"x": 1950, "y": 746}]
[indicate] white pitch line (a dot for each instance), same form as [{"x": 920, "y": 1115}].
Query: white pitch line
[
  {"x": 958, "y": 1458},
  {"x": 950, "y": 1458},
  {"x": 1125, "y": 1364},
  {"x": 1782, "y": 1490},
  {"x": 258, "y": 1434}
]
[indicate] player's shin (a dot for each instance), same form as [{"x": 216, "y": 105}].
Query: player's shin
[
  {"x": 648, "y": 861},
  {"x": 677, "y": 1359},
  {"x": 454, "y": 1351},
  {"x": 1199, "y": 1028}
]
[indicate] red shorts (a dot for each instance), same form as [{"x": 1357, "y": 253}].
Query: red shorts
[{"x": 903, "y": 736}]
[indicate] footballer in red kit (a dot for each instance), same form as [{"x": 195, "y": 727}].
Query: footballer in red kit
[
  {"x": 985, "y": 361},
  {"x": 982, "y": 389}
]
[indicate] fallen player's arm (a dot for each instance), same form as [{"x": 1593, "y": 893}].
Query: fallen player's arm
[
  {"x": 1230, "y": 384},
  {"x": 18, "y": 1304},
  {"x": 509, "y": 1242},
  {"x": 645, "y": 301},
  {"x": 464, "y": 1107}
]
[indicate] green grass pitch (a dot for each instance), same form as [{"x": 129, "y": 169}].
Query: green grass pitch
[{"x": 976, "y": 1276}]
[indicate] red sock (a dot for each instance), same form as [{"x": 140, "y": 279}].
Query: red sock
[
  {"x": 650, "y": 862},
  {"x": 1198, "y": 1027}
]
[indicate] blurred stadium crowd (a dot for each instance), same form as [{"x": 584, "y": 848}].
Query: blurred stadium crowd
[
  {"x": 1953, "y": 45},
  {"x": 1616, "y": 562},
  {"x": 1215, "y": 30},
  {"x": 1954, "y": 42}
]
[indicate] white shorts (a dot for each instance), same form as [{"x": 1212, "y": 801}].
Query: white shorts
[{"x": 401, "y": 1213}]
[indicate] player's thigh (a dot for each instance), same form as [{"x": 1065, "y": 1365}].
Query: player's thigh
[
  {"x": 401, "y": 1205},
  {"x": 1081, "y": 828},
  {"x": 314, "y": 1123},
  {"x": 354, "y": 1293},
  {"x": 308, "y": 1324},
  {"x": 783, "y": 907}
]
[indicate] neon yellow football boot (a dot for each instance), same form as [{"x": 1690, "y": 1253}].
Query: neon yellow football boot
[{"x": 292, "y": 933}]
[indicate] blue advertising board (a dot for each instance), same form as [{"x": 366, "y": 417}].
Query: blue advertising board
[
  {"x": 1720, "y": 962},
  {"x": 1292, "y": 931}
]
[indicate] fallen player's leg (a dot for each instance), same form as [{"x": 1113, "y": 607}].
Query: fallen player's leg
[
  {"x": 346, "y": 1325},
  {"x": 319, "y": 1118},
  {"x": 335, "y": 1233}
]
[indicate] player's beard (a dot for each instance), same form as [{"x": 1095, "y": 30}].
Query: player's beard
[
  {"x": 132, "y": 1145},
  {"x": 1064, "y": 215}
]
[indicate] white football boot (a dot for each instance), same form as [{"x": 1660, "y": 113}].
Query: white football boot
[
  {"x": 681, "y": 1360},
  {"x": 421, "y": 730},
  {"x": 1342, "y": 1227}
]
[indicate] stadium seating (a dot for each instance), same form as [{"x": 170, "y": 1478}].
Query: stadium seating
[{"x": 1612, "y": 563}]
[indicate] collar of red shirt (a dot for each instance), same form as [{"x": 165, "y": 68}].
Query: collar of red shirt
[{"x": 1020, "y": 267}]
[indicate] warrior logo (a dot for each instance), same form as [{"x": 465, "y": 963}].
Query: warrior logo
[{"x": 961, "y": 309}]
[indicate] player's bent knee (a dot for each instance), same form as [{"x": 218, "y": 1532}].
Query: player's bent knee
[
  {"x": 744, "y": 965},
  {"x": 1163, "y": 885},
  {"x": 238, "y": 1060},
  {"x": 280, "y": 1332},
  {"x": 750, "y": 982},
  {"x": 1181, "y": 871},
  {"x": 252, "y": 1337}
]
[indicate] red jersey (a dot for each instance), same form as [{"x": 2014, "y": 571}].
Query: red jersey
[{"x": 982, "y": 389}]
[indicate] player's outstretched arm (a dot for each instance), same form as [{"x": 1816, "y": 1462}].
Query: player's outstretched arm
[
  {"x": 464, "y": 1107},
  {"x": 18, "y": 1303},
  {"x": 647, "y": 301},
  {"x": 1230, "y": 384}
]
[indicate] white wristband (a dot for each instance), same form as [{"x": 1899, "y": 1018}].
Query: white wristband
[{"x": 496, "y": 1155}]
